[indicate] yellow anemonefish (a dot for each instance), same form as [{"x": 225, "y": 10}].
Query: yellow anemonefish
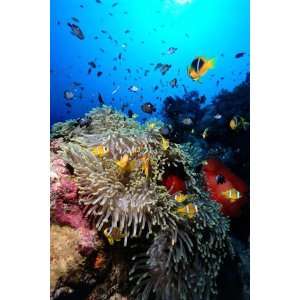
[
  {"x": 238, "y": 122},
  {"x": 199, "y": 66},
  {"x": 189, "y": 210},
  {"x": 165, "y": 144},
  {"x": 100, "y": 151},
  {"x": 181, "y": 197},
  {"x": 124, "y": 163},
  {"x": 151, "y": 125},
  {"x": 146, "y": 164},
  {"x": 232, "y": 195},
  {"x": 114, "y": 236}
]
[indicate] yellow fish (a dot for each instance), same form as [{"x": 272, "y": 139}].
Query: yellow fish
[
  {"x": 165, "y": 144},
  {"x": 232, "y": 195},
  {"x": 114, "y": 236},
  {"x": 181, "y": 197},
  {"x": 151, "y": 125},
  {"x": 199, "y": 66},
  {"x": 189, "y": 210},
  {"x": 146, "y": 164},
  {"x": 238, "y": 123},
  {"x": 100, "y": 151},
  {"x": 124, "y": 163}
]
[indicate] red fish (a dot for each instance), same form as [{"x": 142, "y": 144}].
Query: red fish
[
  {"x": 174, "y": 184},
  {"x": 225, "y": 187}
]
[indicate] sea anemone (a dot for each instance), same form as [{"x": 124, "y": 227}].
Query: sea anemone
[
  {"x": 184, "y": 263},
  {"x": 182, "y": 255},
  {"x": 130, "y": 203}
]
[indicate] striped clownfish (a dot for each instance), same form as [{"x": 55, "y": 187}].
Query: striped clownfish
[{"x": 199, "y": 67}]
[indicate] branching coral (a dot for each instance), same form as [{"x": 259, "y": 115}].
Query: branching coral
[{"x": 63, "y": 129}]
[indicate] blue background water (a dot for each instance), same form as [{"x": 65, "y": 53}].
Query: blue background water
[{"x": 210, "y": 28}]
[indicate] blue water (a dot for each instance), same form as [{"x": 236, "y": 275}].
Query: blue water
[{"x": 210, "y": 28}]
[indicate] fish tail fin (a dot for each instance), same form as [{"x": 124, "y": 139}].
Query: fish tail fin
[{"x": 211, "y": 63}]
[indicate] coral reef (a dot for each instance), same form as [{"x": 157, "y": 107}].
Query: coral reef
[
  {"x": 65, "y": 256},
  {"x": 107, "y": 181}
]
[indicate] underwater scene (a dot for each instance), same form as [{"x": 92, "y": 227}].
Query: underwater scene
[{"x": 150, "y": 150}]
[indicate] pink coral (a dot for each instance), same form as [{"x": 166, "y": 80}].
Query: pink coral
[{"x": 65, "y": 206}]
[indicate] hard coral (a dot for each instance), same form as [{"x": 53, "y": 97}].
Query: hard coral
[{"x": 65, "y": 256}]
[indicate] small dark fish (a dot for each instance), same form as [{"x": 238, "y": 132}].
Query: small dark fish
[
  {"x": 218, "y": 82},
  {"x": 104, "y": 31},
  {"x": 68, "y": 95},
  {"x": 130, "y": 113},
  {"x": 96, "y": 37},
  {"x": 75, "y": 19},
  {"x": 84, "y": 122},
  {"x": 173, "y": 83},
  {"x": 220, "y": 179},
  {"x": 92, "y": 64},
  {"x": 76, "y": 31},
  {"x": 68, "y": 104},
  {"x": 100, "y": 99},
  {"x": 128, "y": 70},
  {"x": 58, "y": 22},
  {"x": 148, "y": 108},
  {"x": 101, "y": 49},
  {"x": 89, "y": 71},
  {"x": 120, "y": 56},
  {"x": 126, "y": 31},
  {"x": 99, "y": 73},
  {"x": 81, "y": 6},
  {"x": 156, "y": 88},
  {"x": 98, "y": 1},
  {"x": 115, "y": 68},
  {"x": 222, "y": 78},
  {"x": 164, "y": 69},
  {"x": 76, "y": 83},
  {"x": 172, "y": 50},
  {"x": 110, "y": 14},
  {"x": 187, "y": 35},
  {"x": 146, "y": 72},
  {"x": 240, "y": 54},
  {"x": 115, "y": 4}
]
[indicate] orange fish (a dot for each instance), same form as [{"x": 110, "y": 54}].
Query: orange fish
[
  {"x": 146, "y": 164},
  {"x": 189, "y": 210},
  {"x": 199, "y": 67},
  {"x": 99, "y": 261}
]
